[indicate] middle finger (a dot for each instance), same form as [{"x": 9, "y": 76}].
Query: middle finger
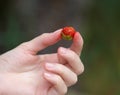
[{"x": 72, "y": 60}]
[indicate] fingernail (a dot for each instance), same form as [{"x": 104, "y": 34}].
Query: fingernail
[
  {"x": 49, "y": 66},
  {"x": 47, "y": 74},
  {"x": 63, "y": 50}
]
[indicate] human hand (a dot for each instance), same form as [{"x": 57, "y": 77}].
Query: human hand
[{"x": 24, "y": 72}]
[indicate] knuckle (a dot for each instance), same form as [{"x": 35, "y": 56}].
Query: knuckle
[
  {"x": 80, "y": 70},
  {"x": 24, "y": 45},
  {"x": 44, "y": 34},
  {"x": 72, "y": 56},
  {"x": 60, "y": 69},
  {"x": 3, "y": 59},
  {"x": 74, "y": 80},
  {"x": 64, "y": 91},
  {"x": 58, "y": 80},
  {"x": 43, "y": 42}
]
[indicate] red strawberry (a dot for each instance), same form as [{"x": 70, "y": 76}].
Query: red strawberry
[{"x": 68, "y": 33}]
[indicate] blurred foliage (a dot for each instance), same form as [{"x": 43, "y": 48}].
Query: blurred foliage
[
  {"x": 97, "y": 20},
  {"x": 102, "y": 47}
]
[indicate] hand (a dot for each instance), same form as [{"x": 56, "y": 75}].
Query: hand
[{"x": 24, "y": 72}]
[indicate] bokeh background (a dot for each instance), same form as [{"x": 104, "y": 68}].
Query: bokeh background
[{"x": 98, "y": 22}]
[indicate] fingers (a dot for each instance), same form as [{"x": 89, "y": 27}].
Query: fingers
[
  {"x": 70, "y": 58},
  {"x": 43, "y": 41},
  {"x": 77, "y": 43},
  {"x": 59, "y": 87},
  {"x": 67, "y": 75},
  {"x": 52, "y": 58}
]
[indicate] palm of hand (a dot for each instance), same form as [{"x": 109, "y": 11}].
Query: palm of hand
[{"x": 27, "y": 70}]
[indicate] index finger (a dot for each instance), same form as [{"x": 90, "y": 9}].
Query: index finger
[
  {"x": 41, "y": 42},
  {"x": 77, "y": 44}
]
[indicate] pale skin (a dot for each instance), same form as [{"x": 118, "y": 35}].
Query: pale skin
[{"x": 24, "y": 72}]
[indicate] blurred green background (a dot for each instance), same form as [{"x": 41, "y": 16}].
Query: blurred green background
[{"x": 98, "y": 22}]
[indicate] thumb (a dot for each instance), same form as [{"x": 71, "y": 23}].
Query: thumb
[{"x": 43, "y": 41}]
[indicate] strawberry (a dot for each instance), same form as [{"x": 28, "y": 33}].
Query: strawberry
[{"x": 68, "y": 33}]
